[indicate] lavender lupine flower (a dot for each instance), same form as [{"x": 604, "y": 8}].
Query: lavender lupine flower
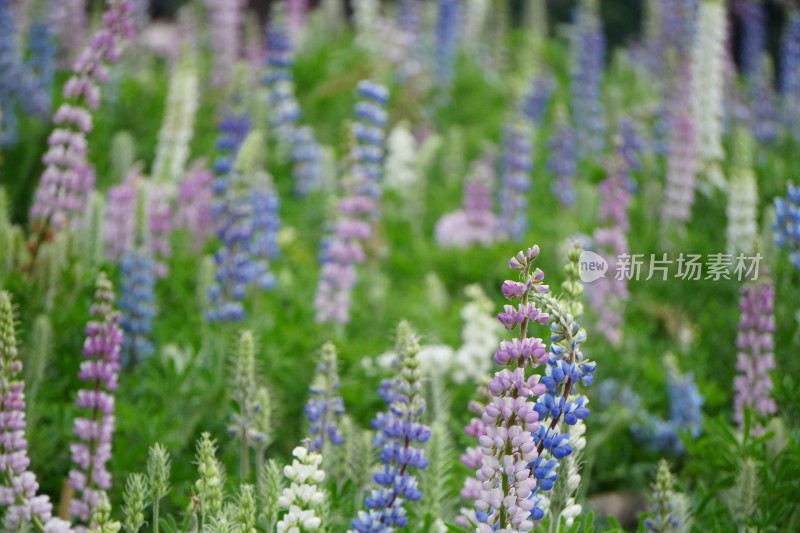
[
  {"x": 516, "y": 170},
  {"x": 396, "y": 432},
  {"x": 476, "y": 222},
  {"x": 225, "y": 25},
  {"x": 588, "y": 56},
  {"x": 325, "y": 407},
  {"x": 71, "y": 22},
  {"x": 409, "y": 16},
  {"x": 159, "y": 225},
  {"x": 357, "y": 209},
  {"x": 508, "y": 447},
  {"x": 91, "y": 452},
  {"x": 755, "y": 360},
  {"x": 68, "y": 177},
  {"x": 790, "y": 72},
  {"x": 754, "y": 35},
  {"x": 708, "y": 86},
  {"x": 472, "y": 457},
  {"x": 607, "y": 295},
  {"x": 787, "y": 223},
  {"x": 195, "y": 198},
  {"x": 120, "y": 219},
  {"x": 447, "y": 29},
  {"x": 18, "y": 486},
  {"x": 297, "y": 11},
  {"x": 682, "y": 160},
  {"x": 562, "y": 159}
]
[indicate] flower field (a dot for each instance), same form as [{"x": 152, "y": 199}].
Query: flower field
[{"x": 423, "y": 266}]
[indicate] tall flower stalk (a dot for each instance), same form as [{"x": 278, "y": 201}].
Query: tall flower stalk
[
  {"x": 325, "y": 408},
  {"x": 18, "y": 486},
  {"x": 516, "y": 170},
  {"x": 225, "y": 23},
  {"x": 69, "y": 177},
  {"x": 92, "y": 451},
  {"x": 508, "y": 447},
  {"x": 755, "y": 359},
  {"x": 396, "y": 433},
  {"x": 588, "y": 51},
  {"x": 787, "y": 223}
]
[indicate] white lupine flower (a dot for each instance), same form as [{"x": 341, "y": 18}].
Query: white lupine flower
[
  {"x": 365, "y": 18},
  {"x": 401, "y": 169},
  {"x": 475, "y": 22},
  {"x": 742, "y": 208},
  {"x": 303, "y": 493},
  {"x": 177, "y": 129},
  {"x": 480, "y": 337},
  {"x": 708, "y": 60}
]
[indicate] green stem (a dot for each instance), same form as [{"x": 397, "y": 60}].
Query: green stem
[{"x": 156, "y": 501}]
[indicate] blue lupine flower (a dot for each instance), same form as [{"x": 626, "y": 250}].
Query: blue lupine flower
[
  {"x": 754, "y": 36},
  {"x": 790, "y": 72},
  {"x": 369, "y": 131},
  {"x": 537, "y": 99},
  {"x": 562, "y": 160},
  {"x": 325, "y": 407},
  {"x": 787, "y": 223},
  {"x": 588, "y": 55},
  {"x": 397, "y": 430},
  {"x": 137, "y": 303},
  {"x": 516, "y": 169},
  {"x": 42, "y": 60},
  {"x": 447, "y": 29}
]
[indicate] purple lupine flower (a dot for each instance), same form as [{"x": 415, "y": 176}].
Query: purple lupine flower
[
  {"x": 325, "y": 407},
  {"x": 306, "y": 160},
  {"x": 298, "y": 11},
  {"x": 537, "y": 98},
  {"x": 195, "y": 198},
  {"x": 763, "y": 116},
  {"x": 476, "y": 222},
  {"x": 99, "y": 370},
  {"x": 787, "y": 223},
  {"x": 754, "y": 35},
  {"x": 357, "y": 209},
  {"x": 472, "y": 457},
  {"x": 448, "y": 21},
  {"x": 562, "y": 159},
  {"x": 120, "y": 218},
  {"x": 588, "y": 56},
  {"x": 264, "y": 204},
  {"x": 19, "y": 486},
  {"x": 516, "y": 170},
  {"x": 18, "y": 82},
  {"x": 682, "y": 162},
  {"x": 396, "y": 433},
  {"x": 506, "y": 497},
  {"x": 68, "y": 178},
  {"x": 225, "y": 25},
  {"x": 755, "y": 360},
  {"x": 71, "y": 21},
  {"x": 608, "y": 294},
  {"x": 409, "y": 16},
  {"x": 159, "y": 226},
  {"x": 790, "y": 72}
]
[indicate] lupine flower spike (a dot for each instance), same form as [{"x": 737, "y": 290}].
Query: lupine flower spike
[
  {"x": 303, "y": 497},
  {"x": 669, "y": 509},
  {"x": 505, "y": 500},
  {"x": 755, "y": 343},
  {"x": 92, "y": 451},
  {"x": 396, "y": 432},
  {"x": 18, "y": 486},
  {"x": 69, "y": 177},
  {"x": 787, "y": 223},
  {"x": 325, "y": 407}
]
